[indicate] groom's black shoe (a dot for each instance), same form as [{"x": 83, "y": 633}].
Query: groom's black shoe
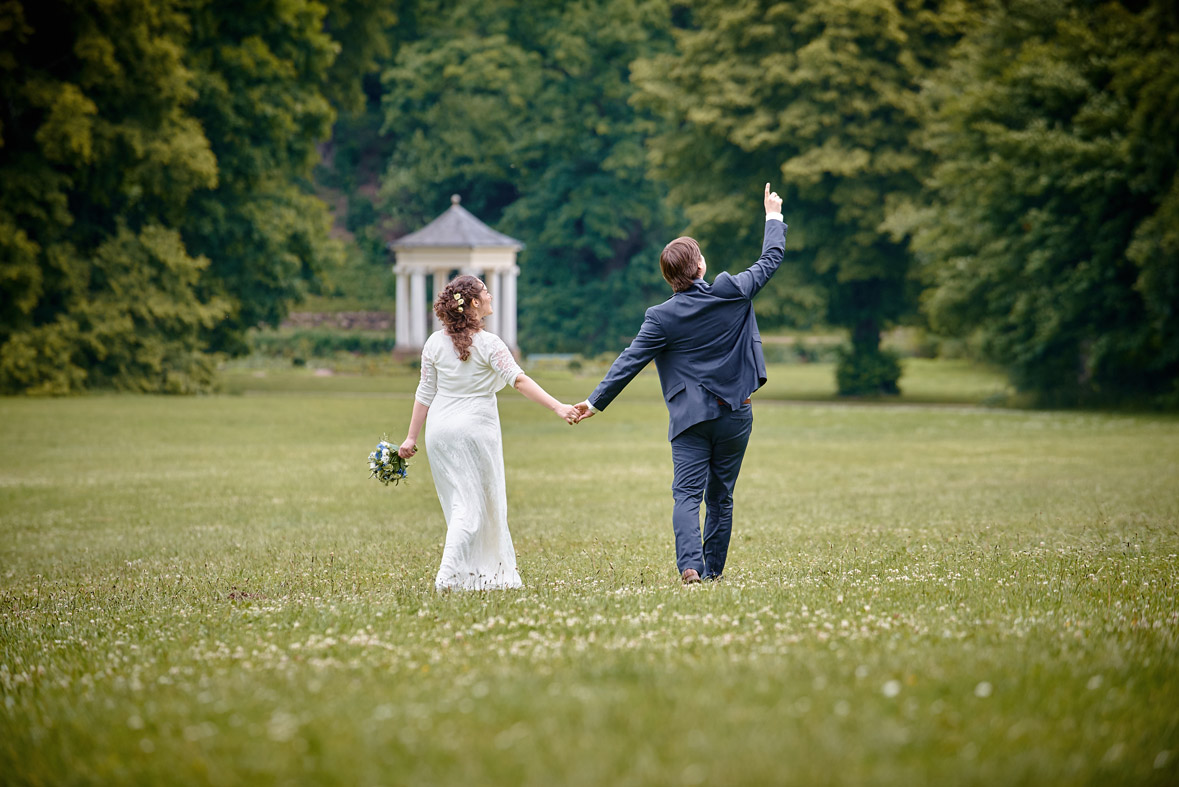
[{"x": 691, "y": 576}]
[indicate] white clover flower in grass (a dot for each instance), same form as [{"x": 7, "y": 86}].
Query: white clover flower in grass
[
  {"x": 984, "y": 689},
  {"x": 891, "y": 689}
]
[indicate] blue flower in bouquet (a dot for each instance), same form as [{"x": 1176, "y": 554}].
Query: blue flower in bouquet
[{"x": 386, "y": 465}]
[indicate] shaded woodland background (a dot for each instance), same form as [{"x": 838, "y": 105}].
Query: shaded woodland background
[{"x": 999, "y": 174}]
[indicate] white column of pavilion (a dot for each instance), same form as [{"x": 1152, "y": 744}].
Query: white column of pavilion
[
  {"x": 401, "y": 315},
  {"x": 492, "y": 323},
  {"x": 440, "y": 282},
  {"x": 417, "y": 307},
  {"x": 507, "y": 305},
  {"x": 456, "y": 240}
]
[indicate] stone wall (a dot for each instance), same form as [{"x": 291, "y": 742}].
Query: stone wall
[{"x": 348, "y": 321}]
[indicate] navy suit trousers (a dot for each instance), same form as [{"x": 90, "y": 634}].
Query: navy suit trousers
[{"x": 707, "y": 458}]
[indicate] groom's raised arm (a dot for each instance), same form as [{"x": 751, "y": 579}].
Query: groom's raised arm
[
  {"x": 649, "y": 342},
  {"x": 773, "y": 247}
]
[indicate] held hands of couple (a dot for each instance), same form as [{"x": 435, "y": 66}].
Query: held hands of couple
[
  {"x": 574, "y": 413},
  {"x": 567, "y": 413}
]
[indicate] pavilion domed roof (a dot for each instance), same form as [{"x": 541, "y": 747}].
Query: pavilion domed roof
[{"x": 457, "y": 227}]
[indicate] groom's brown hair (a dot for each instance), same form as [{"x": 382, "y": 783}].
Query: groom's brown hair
[{"x": 679, "y": 262}]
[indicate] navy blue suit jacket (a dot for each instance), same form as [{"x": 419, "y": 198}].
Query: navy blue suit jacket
[{"x": 704, "y": 342}]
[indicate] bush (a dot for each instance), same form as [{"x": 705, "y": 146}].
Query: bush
[{"x": 867, "y": 373}]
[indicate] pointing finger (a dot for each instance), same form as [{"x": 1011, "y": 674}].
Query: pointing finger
[{"x": 767, "y": 189}]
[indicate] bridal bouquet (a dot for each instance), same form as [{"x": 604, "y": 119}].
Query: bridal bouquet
[{"x": 385, "y": 465}]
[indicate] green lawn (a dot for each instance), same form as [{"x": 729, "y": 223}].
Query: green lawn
[{"x": 210, "y": 591}]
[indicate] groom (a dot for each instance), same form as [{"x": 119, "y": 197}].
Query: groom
[{"x": 706, "y": 346}]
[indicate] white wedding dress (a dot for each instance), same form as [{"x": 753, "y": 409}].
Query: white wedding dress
[{"x": 465, "y": 449}]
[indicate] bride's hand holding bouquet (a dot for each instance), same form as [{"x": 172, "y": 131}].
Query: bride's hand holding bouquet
[{"x": 408, "y": 448}]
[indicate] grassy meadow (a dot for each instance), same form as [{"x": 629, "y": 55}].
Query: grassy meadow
[{"x": 210, "y": 590}]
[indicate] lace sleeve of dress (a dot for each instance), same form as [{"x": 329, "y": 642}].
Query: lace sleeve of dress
[
  {"x": 428, "y": 385},
  {"x": 503, "y": 361}
]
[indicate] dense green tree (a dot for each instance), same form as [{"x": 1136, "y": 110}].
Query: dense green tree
[
  {"x": 364, "y": 32},
  {"x": 823, "y": 95},
  {"x": 524, "y": 109},
  {"x": 98, "y": 157},
  {"x": 260, "y": 69},
  {"x": 1052, "y": 228},
  {"x": 154, "y": 158}
]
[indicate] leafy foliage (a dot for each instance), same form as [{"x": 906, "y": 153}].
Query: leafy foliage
[
  {"x": 99, "y": 156},
  {"x": 349, "y": 177},
  {"x": 1052, "y": 229},
  {"x": 153, "y": 202},
  {"x": 260, "y": 71},
  {"x": 826, "y": 94},
  {"x": 524, "y": 109},
  {"x": 363, "y": 32}
]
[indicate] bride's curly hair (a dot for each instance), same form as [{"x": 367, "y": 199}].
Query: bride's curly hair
[{"x": 458, "y": 316}]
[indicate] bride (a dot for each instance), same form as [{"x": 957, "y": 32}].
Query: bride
[{"x": 462, "y": 368}]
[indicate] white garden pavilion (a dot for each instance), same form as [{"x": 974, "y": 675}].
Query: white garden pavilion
[{"x": 454, "y": 243}]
